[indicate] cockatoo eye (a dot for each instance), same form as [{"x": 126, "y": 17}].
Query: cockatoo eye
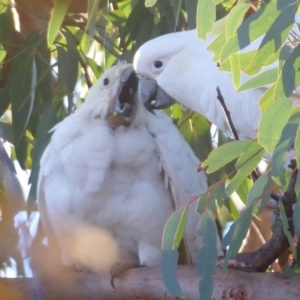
[
  {"x": 105, "y": 81},
  {"x": 158, "y": 64}
]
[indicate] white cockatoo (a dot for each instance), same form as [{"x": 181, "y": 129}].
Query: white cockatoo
[
  {"x": 180, "y": 67},
  {"x": 112, "y": 175}
]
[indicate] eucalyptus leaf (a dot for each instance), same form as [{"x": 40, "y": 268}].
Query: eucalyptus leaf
[
  {"x": 224, "y": 154},
  {"x": 261, "y": 80},
  {"x": 296, "y": 215},
  {"x": 240, "y": 231},
  {"x": 57, "y": 17},
  {"x": 207, "y": 255},
  {"x": 236, "y": 70},
  {"x": 285, "y": 143},
  {"x": 170, "y": 255},
  {"x": 92, "y": 14},
  {"x": 289, "y": 77},
  {"x": 286, "y": 230},
  {"x": 206, "y": 16},
  {"x": 272, "y": 123}
]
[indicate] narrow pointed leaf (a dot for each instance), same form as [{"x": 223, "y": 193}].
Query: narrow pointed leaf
[
  {"x": 269, "y": 186},
  {"x": 240, "y": 232},
  {"x": 289, "y": 77},
  {"x": 181, "y": 227},
  {"x": 191, "y": 7},
  {"x": 170, "y": 255},
  {"x": 272, "y": 123},
  {"x": 257, "y": 189},
  {"x": 235, "y": 19},
  {"x": 150, "y": 3},
  {"x": 267, "y": 99},
  {"x": 236, "y": 70},
  {"x": 168, "y": 266},
  {"x": 206, "y": 15},
  {"x": 57, "y": 16},
  {"x": 285, "y": 225},
  {"x": 244, "y": 171},
  {"x": 92, "y": 14},
  {"x": 285, "y": 142},
  {"x": 224, "y": 154},
  {"x": 207, "y": 255},
  {"x": 296, "y": 215},
  {"x": 260, "y": 80}
]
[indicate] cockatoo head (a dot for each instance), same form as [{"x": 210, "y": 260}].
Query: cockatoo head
[
  {"x": 114, "y": 96},
  {"x": 151, "y": 62}
]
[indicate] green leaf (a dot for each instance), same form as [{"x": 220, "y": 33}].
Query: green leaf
[
  {"x": 296, "y": 215},
  {"x": 272, "y": 123},
  {"x": 217, "y": 45},
  {"x": 22, "y": 94},
  {"x": 207, "y": 255},
  {"x": 170, "y": 255},
  {"x": 231, "y": 207},
  {"x": 285, "y": 225},
  {"x": 224, "y": 154},
  {"x": 269, "y": 18},
  {"x": 168, "y": 266},
  {"x": 206, "y": 15},
  {"x": 267, "y": 99},
  {"x": 196, "y": 131},
  {"x": 150, "y": 3},
  {"x": 244, "y": 189},
  {"x": 261, "y": 80},
  {"x": 92, "y": 14},
  {"x": 191, "y": 7},
  {"x": 269, "y": 186},
  {"x": 208, "y": 200},
  {"x": 286, "y": 141},
  {"x": 257, "y": 189},
  {"x": 297, "y": 147},
  {"x": 236, "y": 70},
  {"x": 278, "y": 33},
  {"x": 47, "y": 122},
  {"x": 6, "y": 132},
  {"x": 68, "y": 62},
  {"x": 289, "y": 77},
  {"x": 245, "y": 165},
  {"x": 44, "y": 70},
  {"x": 240, "y": 232},
  {"x": 181, "y": 227},
  {"x": 57, "y": 16},
  {"x": 235, "y": 19}
]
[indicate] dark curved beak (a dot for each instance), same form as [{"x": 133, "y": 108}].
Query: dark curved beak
[
  {"x": 125, "y": 104},
  {"x": 153, "y": 96}
]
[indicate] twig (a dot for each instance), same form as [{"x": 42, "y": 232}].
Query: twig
[
  {"x": 227, "y": 113},
  {"x": 85, "y": 69}
]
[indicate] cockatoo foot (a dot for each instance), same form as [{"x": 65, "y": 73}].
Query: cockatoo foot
[{"x": 119, "y": 268}]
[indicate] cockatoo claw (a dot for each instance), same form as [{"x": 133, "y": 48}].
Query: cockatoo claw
[{"x": 119, "y": 268}]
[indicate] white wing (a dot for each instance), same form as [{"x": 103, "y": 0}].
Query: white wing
[{"x": 179, "y": 165}]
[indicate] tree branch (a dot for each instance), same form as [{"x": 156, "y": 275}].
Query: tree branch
[
  {"x": 260, "y": 259},
  {"x": 147, "y": 283}
]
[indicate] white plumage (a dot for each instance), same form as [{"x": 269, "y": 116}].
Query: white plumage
[
  {"x": 184, "y": 69},
  {"x": 112, "y": 175}
]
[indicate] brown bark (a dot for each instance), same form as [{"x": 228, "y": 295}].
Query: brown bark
[{"x": 146, "y": 283}]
